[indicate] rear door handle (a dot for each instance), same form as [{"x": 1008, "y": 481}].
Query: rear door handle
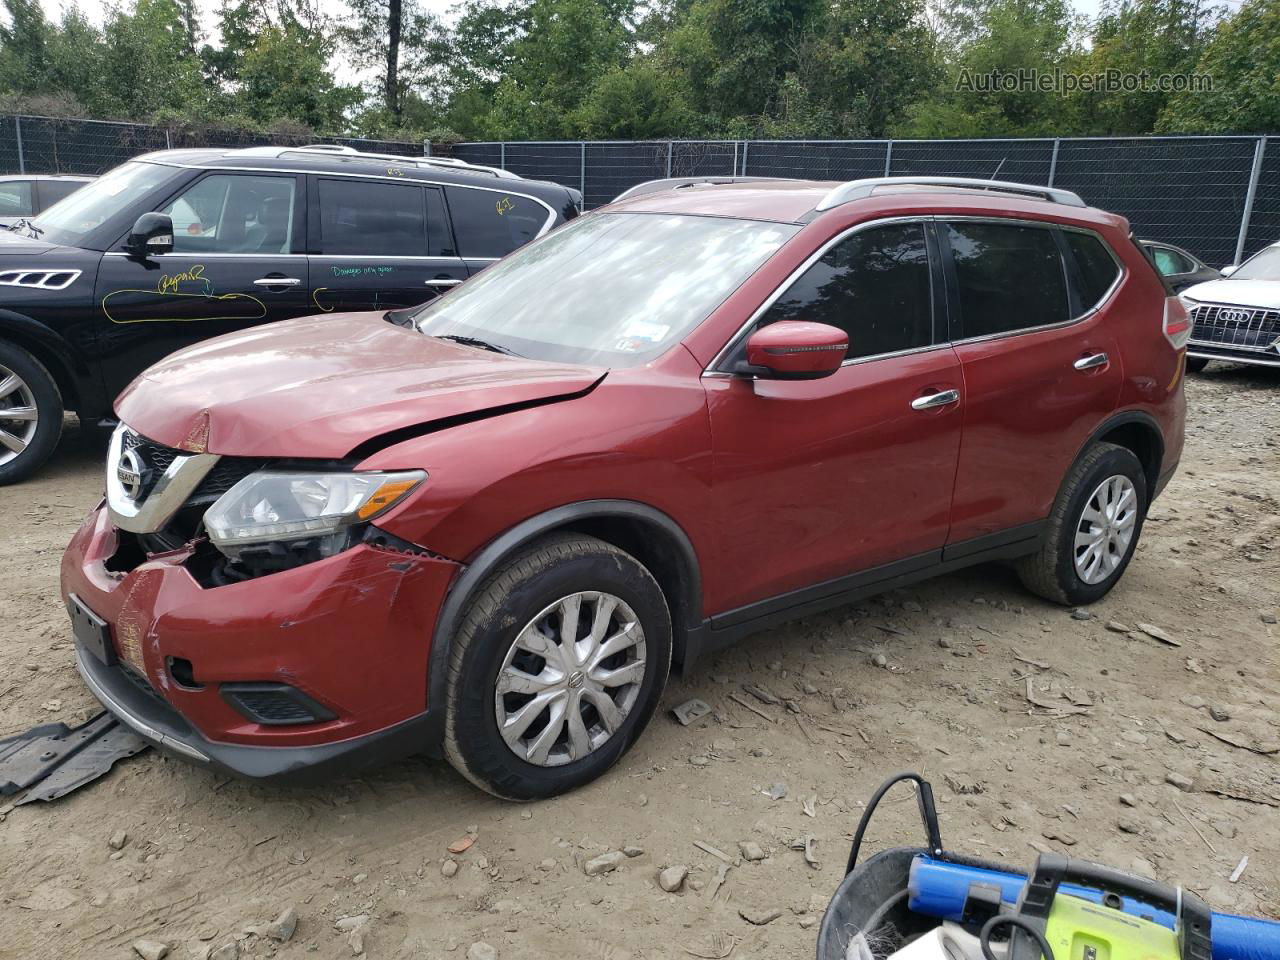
[
  {"x": 442, "y": 282},
  {"x": 940, "y": 399},
  {"x": 277, "y": 282},
  {"x": 1092, "y": 361}
]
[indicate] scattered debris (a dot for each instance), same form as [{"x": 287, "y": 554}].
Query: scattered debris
[
  {"x": 966, "y": 788},
  {"x": 481, "y": 951},
  {"x": 632, "y": 851},
  {"x": 449, "y": 868},
  {"x": 1266, "y": 749},
  {"x": 1238, "y": 872},
  {"x": 718, "y": 947},
  {"x": 762, "y": 694},
  {"x": 1151, "y": 630},
  {"x": 117, "y": 840},
  {"x": 751, "y": 851},
  {"x": 752, "y": 707},
  {"x": 759, "y": 918},
  {"x": 1191, "y": 823},
  {"x": 605, "y": 863},
  {"x": 691, "y": 711},
  {"x": 708, "y": 848},
  {"x": 1115, "y": 626},
  {"x": 776, "y": 791},
  {"x": 721, "y": 874},
  {"x": 806, "y": 844},
  {"x": 151, "y": 949},
  {"x": 1219, "y": 713},
  {"x": 1239, "y": 790},
  {"x": 1060, "y": 709},
  {"x": 672, "y": 878},
  {"x": 461, "y": 845},
  {"x": 809, "y": 806},
  {"x": 1185, "y": 784},
  {"x": 282, "y": 928}
]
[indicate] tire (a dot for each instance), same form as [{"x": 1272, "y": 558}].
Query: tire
[
  {"x": 1053, "y": 572},
  {"x": 526, "y": 593},
  {"x": 1196, "y": 364},
  {"x": 26, "y": 445}
]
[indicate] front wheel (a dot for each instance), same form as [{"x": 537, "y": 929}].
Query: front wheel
[
  {"x": 556, "y": 669},
  {"x": 1093, "y": 529},
  {"x": 30, "y": 414}
]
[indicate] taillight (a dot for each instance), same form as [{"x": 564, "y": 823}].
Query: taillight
[{"x": 1177, "y": 323}]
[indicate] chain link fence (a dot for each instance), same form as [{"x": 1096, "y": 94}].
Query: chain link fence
[
  {"x": 1217, "y": 196},
  {"x": 58, "y": 145}
]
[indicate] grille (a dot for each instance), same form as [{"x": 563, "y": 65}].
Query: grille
[
  {"x": 1240, "y": 328},
  {"x": 274, "y": 704},
  {"x": 157, "y": 457},
  {"x": 226, "y": 474}
]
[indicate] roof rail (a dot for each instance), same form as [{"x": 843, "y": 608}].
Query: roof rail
[
  {"x": 677, "y": 183},
  {"x": 340, "y": 150},
  {"x": 859, "y": 189}
]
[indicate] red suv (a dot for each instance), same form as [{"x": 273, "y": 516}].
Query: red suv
[{"x": 488, "y": 526}]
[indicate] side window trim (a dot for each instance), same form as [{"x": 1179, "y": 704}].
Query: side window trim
[
  {"x": 734, "y": 343},
  {"x": 953, "y": 288}
]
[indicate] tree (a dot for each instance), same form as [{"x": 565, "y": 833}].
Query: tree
[
  {"x": 1242, "y": 56},
  {"x": 399, "y": 35},
  {"x": 24, "y": 44}
]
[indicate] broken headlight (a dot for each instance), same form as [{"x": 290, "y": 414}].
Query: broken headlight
[{"x": 283, "y": 510}]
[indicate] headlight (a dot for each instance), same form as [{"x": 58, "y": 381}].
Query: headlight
[{"x": 276, "y": 507}]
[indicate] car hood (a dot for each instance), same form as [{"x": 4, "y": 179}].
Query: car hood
[
  {"x": 20, "y": 244},
  {"x": 321, "y": 386},
  {"x": 1242, "y": 293}
]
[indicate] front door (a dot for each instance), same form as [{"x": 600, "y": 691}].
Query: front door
[
  {"x": 233, "y": 265},
  {"x": 1041, "y": 367},
  {"x": 818, "y": 479},
  {"x": 380, "y": 245}
]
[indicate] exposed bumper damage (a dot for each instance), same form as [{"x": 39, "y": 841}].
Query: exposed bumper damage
[{"x": 314, "y": 668}]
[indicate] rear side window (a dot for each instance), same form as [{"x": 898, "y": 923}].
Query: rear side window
[
  {"x": 1098, "y": 269},
  {"x": 15, "y": 198},
  {"x": 492, "y": 224},
  {"x": 875, "y": 285},
  {"x": 51, "y": 191},
  {"x": 360, "y": 217},
  {"x": 1010, "y": 277},
  {"x": 1169, "y": 262}
]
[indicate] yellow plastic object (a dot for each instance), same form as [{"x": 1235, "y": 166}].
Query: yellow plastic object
[{"x": 1080, "y": 930}]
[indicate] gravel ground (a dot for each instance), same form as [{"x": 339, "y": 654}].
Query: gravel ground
[{"x": 935, "y": 678}]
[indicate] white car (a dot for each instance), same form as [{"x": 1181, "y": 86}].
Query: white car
[{"x": 1237, "y": 318}]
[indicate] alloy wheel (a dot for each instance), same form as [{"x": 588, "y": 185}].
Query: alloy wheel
[
  {"x": 19, "y": 417},
  {"x": 1106, "y": 527},
  {"x": 570, "y": 679}
]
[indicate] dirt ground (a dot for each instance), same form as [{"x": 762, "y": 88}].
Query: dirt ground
[{"x": 934, "y": 679}]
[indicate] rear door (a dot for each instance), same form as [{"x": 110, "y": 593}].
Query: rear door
[
  {"x": 237, "y": 261},
  {"x": 490, "y": 223},
  {"x": 379, "y": 245},
  {"x": 1041, "y": 367}
]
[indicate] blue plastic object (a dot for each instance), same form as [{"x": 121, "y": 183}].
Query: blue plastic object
[{"x": 937, "y": 888}]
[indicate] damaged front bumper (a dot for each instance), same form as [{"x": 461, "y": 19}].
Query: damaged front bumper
[{"x": 347, "y": 637}]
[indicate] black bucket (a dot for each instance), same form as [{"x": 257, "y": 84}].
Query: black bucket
[{"x": 872, "y": 900}]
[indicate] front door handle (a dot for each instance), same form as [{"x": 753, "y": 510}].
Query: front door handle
[
  {"x": 277, "y": 282},
  {"x": 1092, "y": 361},
  {"x": 442, "y": 282},
  {"x": 931, "y": 400}
]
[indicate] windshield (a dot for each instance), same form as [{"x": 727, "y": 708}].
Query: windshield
[
  {"x": 1264, "y": 265},
  {"x": 613, "y": 289},
  {"x": 69, "y": 220}
]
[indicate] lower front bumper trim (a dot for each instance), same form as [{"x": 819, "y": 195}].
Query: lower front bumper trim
[{"x": 136, "y": 724}]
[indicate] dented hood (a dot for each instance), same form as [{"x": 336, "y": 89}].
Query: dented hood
[{"x": 321, "y": 386}]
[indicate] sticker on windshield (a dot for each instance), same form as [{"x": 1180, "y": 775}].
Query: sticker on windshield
[{"x": 644, "y": 330}]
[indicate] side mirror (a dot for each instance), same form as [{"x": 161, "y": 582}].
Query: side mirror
[
  {"x": 152, "y": 233},
  {"x": 795, "y": 350},
  {"x": 1229, "y": 269}
]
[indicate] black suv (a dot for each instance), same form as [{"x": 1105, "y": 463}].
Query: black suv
[{"x": 182, "y": 245}]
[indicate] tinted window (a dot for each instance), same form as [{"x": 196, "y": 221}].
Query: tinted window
[
  {"x": 1010, "y": 277},
  {"x": 377, "y": 219},
  {"x": 229, "y": 213},
  {"x": 492, "y": 224},
  {"x": 1098, "y": 269},
  {"x": 874, "y": 285},
  {"x": 15, "y": 198},
  {"x": 51, "y": 191}
]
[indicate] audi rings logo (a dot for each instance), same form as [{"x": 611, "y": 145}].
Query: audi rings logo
[
  {"x": 131, "y": 472},
  {"x": 1235, "y": 316}
]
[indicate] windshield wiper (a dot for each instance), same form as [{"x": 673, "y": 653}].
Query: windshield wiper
[
  {"x": 23, "y": 223},
  {"x": 482, "y": 344}
]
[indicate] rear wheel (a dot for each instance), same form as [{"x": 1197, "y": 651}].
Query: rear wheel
[
  {"x": 556, "y": 669},
  {"x": 1093, "y": 529},
  {"x": 1196, "y": 364},
  {"x": 30, "y": 414}
]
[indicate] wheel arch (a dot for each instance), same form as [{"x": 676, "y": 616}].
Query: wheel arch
[
  {"x": 648, "y": 534},
  {"x": 48, "y": 347},
  {"x": 1140, "y": 434}
]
